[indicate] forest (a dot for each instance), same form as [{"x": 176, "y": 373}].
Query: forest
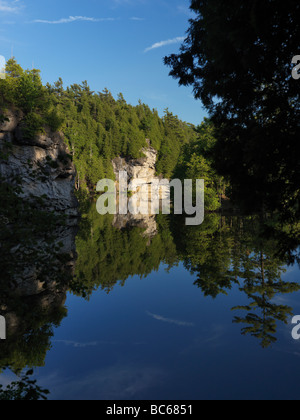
[
  {"x": 97, "y": 128},
  {"x": 237, "y": 59}
]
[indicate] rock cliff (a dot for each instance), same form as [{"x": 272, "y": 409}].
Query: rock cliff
[
  {"x": 139, "y": 170},
  {"x": 42, "y": 162},
  {"x": 143, "y": 168},
  {"x": 45, "y": 170}
]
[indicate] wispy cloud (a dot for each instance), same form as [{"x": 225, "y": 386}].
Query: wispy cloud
[
  {"x": 171, "y": 321},
  {"x": 10, "y": 6},
  {"x": 71, "y": 19},
  {"x": 138, "y": 19},
  {"x": 160, "y": 44},
  {"x": 76, "y": 344}
]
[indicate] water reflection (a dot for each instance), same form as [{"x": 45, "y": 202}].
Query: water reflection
[
  {"x": 249, "y": 253},
  {"x": 37, "y": 265}
]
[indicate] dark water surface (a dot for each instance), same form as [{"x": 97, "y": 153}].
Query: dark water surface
[{"x": 157, "y": 310}]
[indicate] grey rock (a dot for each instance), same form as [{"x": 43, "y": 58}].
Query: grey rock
[
  {"x": 43, "y": 164},
  {"x": 142, "y": 170},
  {"x": 14, "y": 117}
]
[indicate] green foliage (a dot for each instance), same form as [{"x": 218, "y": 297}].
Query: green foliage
[
  {"x": 98, "y": 128},
  {"x": 24, "y": 90},
  {"x": 13, "y": 69},
  {"x": 196, "y": 162},
  {"x": 53, "y": 120},
  {"x": 198, "y": 168},
  {"x": 108, "y": 256},
  {"x": 31, "y": 95},
  {"x": 25, "y": 389},
  {"x": 33, "y": 124}
]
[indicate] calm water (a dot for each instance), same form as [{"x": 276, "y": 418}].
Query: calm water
[{"x": 156, "y": 310}]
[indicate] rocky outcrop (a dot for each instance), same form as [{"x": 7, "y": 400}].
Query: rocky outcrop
[
  {"x": 38, "y": 270},
  {"x": 143, "y": 168},
  {"x": 140, "y": 171},
  {"x": 42, "y": 162}
]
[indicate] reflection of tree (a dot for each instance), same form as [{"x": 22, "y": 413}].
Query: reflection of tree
[
  {"x": 36, "y": 265},
  {"x": 25, "y": 389},
  {"x": 30, "y": 324},
  {"x": 223, "y": 252},
  {"x": 249, "y": 252},
  {"x": 262, "y": 282},
  {"x": 107, "y": 255},
  {"x": 206, "y": 252},
  {"x": 261, "y": 265}
]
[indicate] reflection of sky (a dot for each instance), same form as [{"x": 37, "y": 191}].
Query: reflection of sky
[{"x": 159, "y": 338}]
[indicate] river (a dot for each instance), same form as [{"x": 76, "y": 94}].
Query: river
[{"x": 153, "y": 309}]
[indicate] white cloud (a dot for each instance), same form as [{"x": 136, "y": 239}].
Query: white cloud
[
  {"x": 10, "y": 6},
  {"x": 76, "y": 344},
  {"x": 73, "y": 19},
  {"x": 160, "y": 44},
  {"x": 138, "y": 19},
  {"x": 170, "y": 321}
]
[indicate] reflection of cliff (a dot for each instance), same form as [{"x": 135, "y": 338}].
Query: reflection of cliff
[
  {"x": 33, "y": 301},
  {"x": 110, "y": 251},
  {"x": 141, "y": 172},
  {"x": 38, "y": 218},
  {"x": 147, "y": 223}
]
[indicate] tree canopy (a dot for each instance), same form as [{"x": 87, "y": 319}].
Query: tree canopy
[{"x": 238, "y": 58}]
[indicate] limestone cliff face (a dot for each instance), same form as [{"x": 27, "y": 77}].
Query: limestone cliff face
[
  {"x": 143, "y": 168},
  {"x": 42, "y": 162},
  {"x": 45, "y": 169},
  {"x": 138, "y": 170}
]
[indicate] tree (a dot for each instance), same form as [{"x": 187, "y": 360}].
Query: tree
[
  {"x": 198, "y": 168},
  {"x": 13, "y": 69},
  {"x": 25, "y": 389},
  {"x": 237, "y": 56}
]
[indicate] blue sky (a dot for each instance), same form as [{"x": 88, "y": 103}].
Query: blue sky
[{"x": 118, "y": 44}]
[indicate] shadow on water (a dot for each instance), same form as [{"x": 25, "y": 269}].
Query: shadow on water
[{"x": 249, "y": 253}]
